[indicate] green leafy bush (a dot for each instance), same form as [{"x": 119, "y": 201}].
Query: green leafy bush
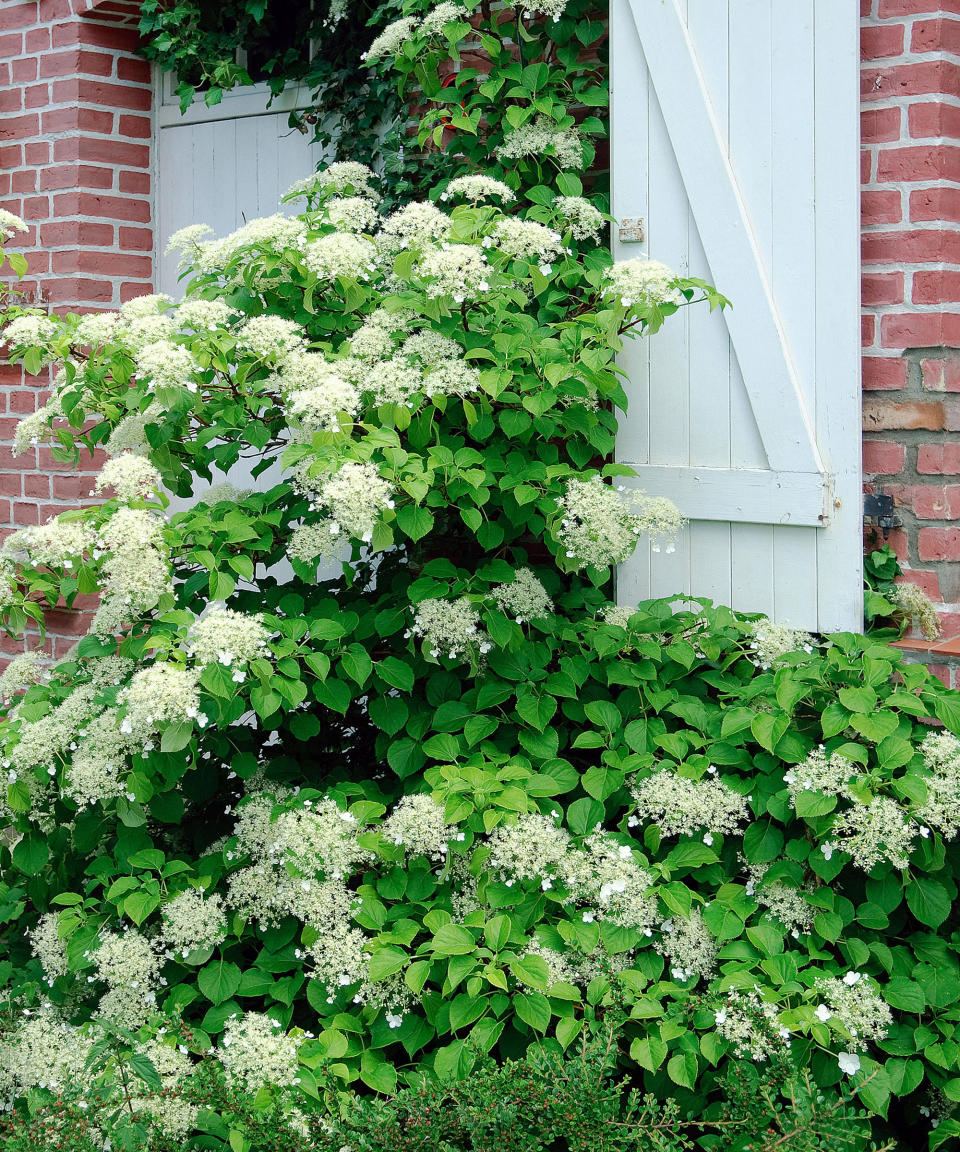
[{"x": 423, "y": 795}]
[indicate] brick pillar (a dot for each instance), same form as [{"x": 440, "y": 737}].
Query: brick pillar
[
  {"x": 910, "y": 84},
  {"x": 75, "y": 144}
]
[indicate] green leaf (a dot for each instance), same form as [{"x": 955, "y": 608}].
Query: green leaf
[
  {"x": 176, "y": 736},
  {"x": 928, "y": 900},
  {"x": 219, "y": 981},
  {"x": 30, "y": 854},
  {"x": 533, "y": 1008},
  {"x": 377, "y": 1074},
  {"x": 395, "y": 672},
  {"x": 386, "y": 961},
  {"x": 682, "y": 1069},
  {"x": 649, "y": 1052},
  {"x": 452, "y": 940},
  {"x": 414, "y": 521}
]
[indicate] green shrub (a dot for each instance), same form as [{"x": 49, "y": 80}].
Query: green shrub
[{"x": 423, "y": 796}]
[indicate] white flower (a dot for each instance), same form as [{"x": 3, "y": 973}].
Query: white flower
[
  {"x": 600, "y": 524},
  {"x": 9, "y": 223},
  {"x": 823, "y": 1013},
  {"x": 644, "y": 282},
  {"x": 849, "y": 1063}
]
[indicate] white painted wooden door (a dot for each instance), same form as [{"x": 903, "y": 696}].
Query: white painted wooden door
[
  {"x": 735, "y": 138},
  {"x": 224, "y": 165}
]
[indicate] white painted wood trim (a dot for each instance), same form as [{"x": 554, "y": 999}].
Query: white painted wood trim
[
  {"x": 728, "y": 237},
  {"x": 738, "y": 495},
  {"x": 250, "y": 100}
]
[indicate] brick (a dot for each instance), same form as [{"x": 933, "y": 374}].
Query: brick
[
  {"x": 133, "y": 68},
  {"x": 101, "y": 92},
  {"x": 881, "y": 414},
  {"x": 77, "y": 176},
  {"x": 928, "y": 582},
  {"x": 36, "y": 208},
  {"x": 881, "y": 40},
  {"x": 24, "y": 70},
  {"x": 934, "y": 118},
  {"x": 24, "y": 513},
  {"x": 139, "y": 127},
  {"x": 882, "y": 288},
  {"x": 937, "y": 35},
  {"x": 883, "y": 457},
  {"x": 866, "y": 166},
  {"x": 102, "y": 263},
  {"x": 880, "y": 208},
  {"x": 60, "y": 233},
  {"x": 17, "y": 16},
  {"x": 920, "y": 330},
  {"x": 890, "y": 9},
  {"x": 75, "y": 290},
  {"x": 136, "y": 239},
  {"x": 36, "y": 96},
  {"x": 36, "y": 40},
  {"x": 76, "y": 63},
  {"x": 935, "y": 76},
  {"x": 941, "y": 375},
  {"x": 938, "y": 459},
  {"x": 136, "y": 182},
  {"x": 939, "y": 287},
  {"x": 23, "y": 181},
  {"x": 914, "y": 246},
  {"x": 927, "y": 501},
  {"x": 17, "y": 127},
  {"x": 11, "y": 100},
  {"x": 130, "y": 291},
  {"x": 923, "y": 162},
  {"x": 868, "y": 330},
  {"x": 938, "y": 543},
  {"x": 77, "y": 119},
  {"x": 36, "y": 154},
  {"x": 108, "y": 207},
  {"x": 96, "y": 36},
  {"x": 36, "y": 484},
  {"x": 935, "y": 204},
  {"x": 884, "y": 373},
  {"x": 11, "y": 44},
  {"x": 23, "y": 401},
  {"x": 94, "y": 150}
]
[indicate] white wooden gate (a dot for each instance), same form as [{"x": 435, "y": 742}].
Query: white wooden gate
[
  {"x": 735, "y": 138},
  {"x": 223, "y": 165}
]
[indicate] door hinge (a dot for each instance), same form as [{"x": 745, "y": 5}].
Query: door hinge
[{"x": 879, "y": 512}]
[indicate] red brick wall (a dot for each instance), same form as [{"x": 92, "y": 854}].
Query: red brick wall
[
  {"x": 75, "y": 141},
  {"x": 910, "y": 118}
]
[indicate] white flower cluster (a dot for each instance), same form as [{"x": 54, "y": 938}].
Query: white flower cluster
[
  {"x": 158, "y": 695},
  {"x": 571, "y": 967},
  {"x": 49, "y": 947},
  {"x": 269, "y": 337},
  {"x": 129, "y": 434},
  {"x": 646, "y": 283},
  {"x": 830, "y": 775},
  {"x": 543, "y": 137},
  {"x": 528, "y": 240},
  {"x": 856, "y": 1005},
  {"x": 352, "y": 214},
  {"x": 582, "y": 220},
  {"x": 874, "y": 832},
  {"x": 256, "y": 1053},
  {"x": 135, "y": 567},
  {"x": 342, "y": 176},
  {"x": 30, "y": 667},
  {"x": 553, "y": 9},
  {"x": 679, "y": 806},
  {"x": 9, "y": 223},
  {"x": 449, "y": 627},
  {"x": 193, "y": 922},
  {"x": 374, "y": 339},
  {"x": 524, "y": 598},
  {"x": 31, "y": 328},
  {"x": 751, "y": 1024},
  {"x": 168, "y": 365},
  {"x": 98, "y": 766},
  {"x": 459, "y": 271},
  {"x": 442, "y": 14},
  {"x": 95, "y": 329},
  {"x": 132, "y": 477},
  {"x": 419, "y": 826},
  {"x": 341, "y": 254},
  {"x": 318, "y": 842},
  {"x": 783, "y": 902},
  {"x": 619, "y": 615},
  {"x": 605, "y": 877},
  {"x": 355, "y": 496},
  {"x": 129, "y": 964},
  {"x": 44, "y": 742},
  {"x": 168, "y": 1108},
  {"x": 419, "y": 224},
  {"x": 941, "y": 809},
  {"x": 689, "y": 946},
  {"x": 533, "y": 848},
  {"x": 144, "y": 320},
  {"x": 42, "y": 1051},
  {"x": 476, "y": 188},
  {"x": 309, "y": 543},
  {"x": 187, "y": 239},
  {"x": 230, "y": 638},
  {"x": 57, "y": 544},
  {"x": 274, "y": 233},
  {"x": 391, "y": 39},
  {"x": 771, "y": 642},
  {"x": 916, "y": 604},
  {"x": 600, "y": 524},
  {"x": 199, "y": 315}
]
